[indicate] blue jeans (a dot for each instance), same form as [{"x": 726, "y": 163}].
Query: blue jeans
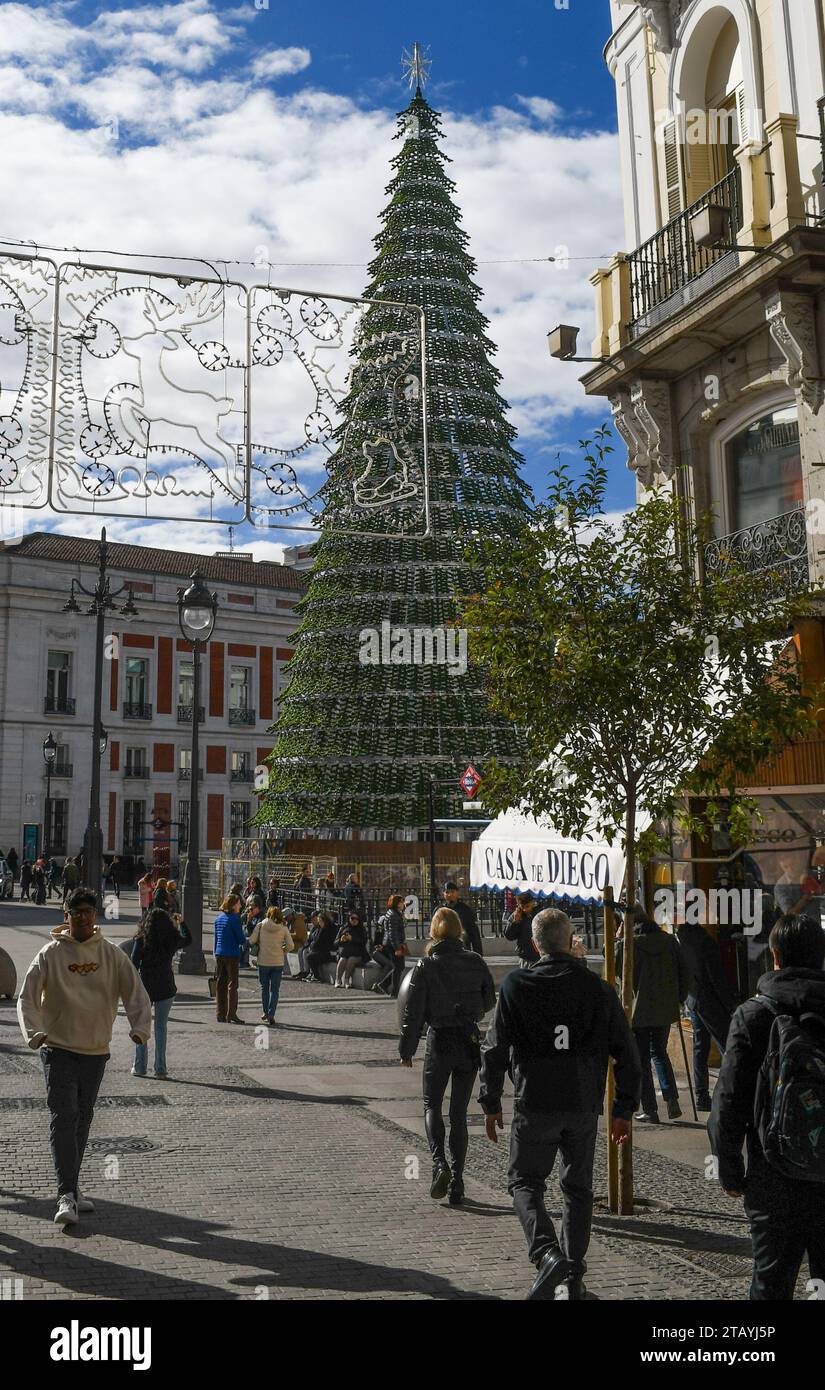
[
  {"x": 652, "y": 1044},
  {"x": 270, "y": 978},
  {"x": 162, "y": 1009}
]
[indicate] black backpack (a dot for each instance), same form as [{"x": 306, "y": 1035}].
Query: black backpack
[{"x": 789, "y": 1108}]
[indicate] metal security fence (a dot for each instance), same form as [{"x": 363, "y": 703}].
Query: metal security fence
[{"x": 245, "y": 859}]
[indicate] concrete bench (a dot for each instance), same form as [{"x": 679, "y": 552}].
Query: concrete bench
[{"x": 363, "y": 976}]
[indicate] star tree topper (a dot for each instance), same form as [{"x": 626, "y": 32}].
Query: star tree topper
[{"x": 416, "y": 66}]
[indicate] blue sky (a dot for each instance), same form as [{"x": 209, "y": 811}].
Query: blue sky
[{"x": 238, "y": 125}]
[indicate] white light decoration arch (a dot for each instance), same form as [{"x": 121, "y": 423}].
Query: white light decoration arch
[
  {"x": 164, "y": 396},
  {"x": 699, "y": 30}
]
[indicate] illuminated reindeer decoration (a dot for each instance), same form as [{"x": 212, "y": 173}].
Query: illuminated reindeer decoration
[{"x": 170, "y": 388}]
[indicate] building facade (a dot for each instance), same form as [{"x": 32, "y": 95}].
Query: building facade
[
  {"x": 46, "y": 685},
  {"x": 710, "y": 322}
]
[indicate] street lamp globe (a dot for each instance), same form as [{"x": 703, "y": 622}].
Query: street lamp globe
[
  {"x": 196, "y": 610},
  {"x": 103, "y": 741},
  {"x": 49, "y": 750}
]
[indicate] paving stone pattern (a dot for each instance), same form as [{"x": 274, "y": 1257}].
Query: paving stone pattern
[{"x": 209, "y": 1186}]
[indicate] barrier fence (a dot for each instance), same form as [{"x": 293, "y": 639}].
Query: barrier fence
[{"x": 377, "y": 881}]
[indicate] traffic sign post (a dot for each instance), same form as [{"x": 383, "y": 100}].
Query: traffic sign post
[{"x": 470, "y": 782}]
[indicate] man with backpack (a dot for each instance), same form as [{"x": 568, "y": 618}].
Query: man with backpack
[{"x": 771, "y": 1094}]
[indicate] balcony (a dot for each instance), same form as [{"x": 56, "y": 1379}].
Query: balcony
[
  {"x": 241, "y": 774},
  {"x": 136, "y": 709},
  {"x": 670, "y": 270},
  {"x": 58, "y": 704},
  {"x": 185, "y": 714},
  {"x": 139, "y": 772},
  {"x": 779, "y": 544},
  {"x": 242, "y": 716},
  {"x": 185, "y": 774},
  {"x": 62, "y": 770}
]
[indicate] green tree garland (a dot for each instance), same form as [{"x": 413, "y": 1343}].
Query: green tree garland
[{"x": 355, "y": 744}]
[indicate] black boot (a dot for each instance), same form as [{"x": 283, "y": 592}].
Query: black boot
[
  {"x": 441, "y": 1179},
  {"x": 456, "y": 1191},
  {"x": 573, "y": 1288}
]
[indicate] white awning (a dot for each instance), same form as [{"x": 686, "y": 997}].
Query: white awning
[{"x": 524, "y": 854}]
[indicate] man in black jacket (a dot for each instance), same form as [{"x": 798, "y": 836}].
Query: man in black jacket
[
  {"x": 709, "y": 999},
  {"x": 556, "y": 1025},
  {"x": 519, "y": 928},
  {"x": 467, "y": 916},
  {"x": 787, "y": 1217}
]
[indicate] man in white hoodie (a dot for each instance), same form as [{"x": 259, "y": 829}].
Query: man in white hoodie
[{"x": 67, "y": 1008}]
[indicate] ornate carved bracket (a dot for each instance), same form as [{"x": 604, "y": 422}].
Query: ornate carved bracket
[
  {"x": 792, "y": 323},
  {"x": 644, "y": 419},
  {"x": 662, "y": 16}
]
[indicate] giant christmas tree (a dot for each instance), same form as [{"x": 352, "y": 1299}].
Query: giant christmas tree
[{"x": 356, "y": 744}]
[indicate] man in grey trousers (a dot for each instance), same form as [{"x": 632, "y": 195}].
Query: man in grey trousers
[{"x": 556, "y": 1025}]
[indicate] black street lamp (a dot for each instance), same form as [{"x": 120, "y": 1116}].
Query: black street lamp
[
  {"x": 197, "y": 610},
  {"x": 49, "y": 755},
  {"x": 102, "y": 601},
  {"x": 433, "y": 886}
]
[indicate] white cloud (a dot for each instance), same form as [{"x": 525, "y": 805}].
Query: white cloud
[
  {"x": 40, "y": 34},
  {"x": 188, "y": 35},
  {"x": 281, "y": 62},
  {"x": 542, "y": 109}
]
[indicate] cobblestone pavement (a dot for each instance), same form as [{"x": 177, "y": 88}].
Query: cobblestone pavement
[{"x": 282, "y": 1164}]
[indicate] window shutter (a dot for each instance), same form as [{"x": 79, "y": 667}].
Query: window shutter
[
  {"x": 673, "y": 179},
  {"x": 700, "y": 175},
  {"x": 744, "y": 133}
]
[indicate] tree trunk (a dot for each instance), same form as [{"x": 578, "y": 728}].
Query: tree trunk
[
  {"x": 626, "y": 1150},
  {"x": 610, "y": 978}
]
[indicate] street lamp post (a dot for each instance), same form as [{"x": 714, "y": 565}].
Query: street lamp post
[
  {"x": 197, "y": 610},
  {"x": 431, "y": 788},
  {"x": 102, "y": 601},
  {"x": 49, "y": 755}
]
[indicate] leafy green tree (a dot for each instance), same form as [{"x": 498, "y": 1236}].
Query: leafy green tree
[{"x": 645, "y": 686}]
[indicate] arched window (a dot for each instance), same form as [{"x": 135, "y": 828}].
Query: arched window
[
  {"x": 714, "y": 92},
  {"x": 764, "y": 469}
]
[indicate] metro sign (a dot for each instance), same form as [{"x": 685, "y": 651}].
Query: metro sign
[{"x": 470, "y": 782}]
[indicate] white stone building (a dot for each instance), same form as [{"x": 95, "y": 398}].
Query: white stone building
[
  {"x": 711, "y": 319},
  {"x": 46, "y": 685}
]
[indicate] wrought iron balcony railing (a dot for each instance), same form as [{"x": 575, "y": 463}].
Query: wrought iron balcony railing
[
  {"x": 62, "y": 770},
  {"x": 185, "y": 714},
  {"x": 58, "y": 704},
  {"x": 779, "y": 544},
  {"x": 139, "y": 770},
  {"x": 242, "y": 716},
  {"x": 136, "y": 709},
  {"x": 670, "y": 270},
  {"x": 241, "y": 774},
  {"x": 185, "y": 774}
]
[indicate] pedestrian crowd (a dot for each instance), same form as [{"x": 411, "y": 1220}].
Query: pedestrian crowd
[{"x": 556, "y": 1026}]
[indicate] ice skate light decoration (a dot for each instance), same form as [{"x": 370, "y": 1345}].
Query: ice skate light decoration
[
  {"x": 149, "y": 394},
  {"x": 27, "y": 311}
]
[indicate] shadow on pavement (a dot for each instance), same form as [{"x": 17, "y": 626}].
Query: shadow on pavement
[
  {"x": 282, "y": 1265},
  {"x": 253, "y": 1092},
  {"x": 659, "y": 1232}
]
